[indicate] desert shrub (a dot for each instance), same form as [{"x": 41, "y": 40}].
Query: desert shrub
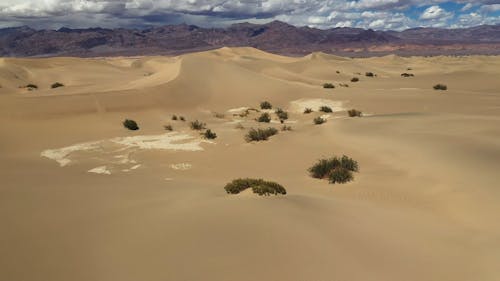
[
  {"x": 264, "y": 118},
  {"x": 266, "y": 105},
  {"x": 338, "y": 72},
  {"x": 336, "y": 170},
  {"x": 260, "y": 134},
  {"x": 340, "y": 175},
  {"x": 57, "y": 85},
  {"x": 197, "y": 125},
  {"x": 328, "y": 86},
  {"x": 130, "y": 124},
  {"x": 208, "y": 134},
  {"x": 344, "y": 85},
  {"x": 319, "y": 120},
  {"x": 325, "y": 109},
  {"x": 31, "y": 87},
  {"x": 308, "y": 110},
  {"x": 355, "y": 79},
  {"x": 441, "y": 87},
  {"x": 407, "y": 74},
  {"x": 182, "y": 118},
  {"x": 168, "y": 127},
  {"x": 369, "y": 74},
  {"x": 282, "y": 115},
  {"x": 258, "y": 186},
  {"x": 354, "y": 113},
  {"x": 174, "y": 117},
  {"x": 286, "y": 128}
]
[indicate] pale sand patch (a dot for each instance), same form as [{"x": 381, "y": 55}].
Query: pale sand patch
[
  {"x": 325, "y": 116},
  {"x": 102, "y": 170},
  {"x": 315, "y": 104},
  {"x": 181, "y": 166}
]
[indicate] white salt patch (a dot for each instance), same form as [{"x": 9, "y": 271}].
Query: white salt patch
[
  {"x": 325, "y": 116},
  {"x": 237, "y": 110},
  {"x": 102, "y": 170},
  {"x": 136, "y": 167},
  {"x": 315, "y": 104},
  {"x": 181, "y": 166},
  {"x": 169, "y": 141},
  {"x": 61, "y": 155}
]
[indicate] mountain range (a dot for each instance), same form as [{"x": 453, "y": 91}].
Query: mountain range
[{"x": 276, "y": 37}]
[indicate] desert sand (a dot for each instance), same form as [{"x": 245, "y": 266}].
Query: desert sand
[{"x": 82, "y": 198}]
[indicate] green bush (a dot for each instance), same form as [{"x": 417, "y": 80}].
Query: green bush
[
  {"x": 441, "y": 87},
  {"x": 197, "y": 125},
  {"x": 130, "y": 124},
  {"x": 355, "y": 79},
  {"x": 208, "y": 134},
  {"x": 31, "y": 87},
  {"x": 325, "y": 109},
  {"x": 318, "y": 120},
  {"x": 260, "y": 134},
  {"x": 308, "y": 110},
  {"x": 258, "y": 186},
  {"x": 282, "y": 115},
  {"x": 168, "y": 127},
  {"x": 264, "y": 118},
  {"x": 266, "y": 105},
  {"x": 336, "y": 170},
  {"x": 328, "y": 86},
  {"x": 354, "y": 113},
  {"x": 57, "y": 85},
  {"x": 340, "y": 175}
]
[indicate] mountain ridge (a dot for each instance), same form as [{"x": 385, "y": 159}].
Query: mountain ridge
[{"x": 275, "y": 37}]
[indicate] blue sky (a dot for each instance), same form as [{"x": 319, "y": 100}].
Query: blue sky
[{"x": 375, "y": 14}]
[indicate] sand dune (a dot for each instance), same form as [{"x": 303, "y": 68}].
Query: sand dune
[{"x": 82, "y": 198}]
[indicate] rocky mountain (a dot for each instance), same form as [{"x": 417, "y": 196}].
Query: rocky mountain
[{"x": 276, "y": 37}]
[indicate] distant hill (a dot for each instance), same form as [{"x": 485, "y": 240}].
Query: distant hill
[{"x": 276, "y": 37}]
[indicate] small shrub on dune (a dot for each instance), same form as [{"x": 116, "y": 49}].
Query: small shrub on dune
[
  {"x": 308, "y": 110},
  {"x": 266, "y": 105},
  {"x": 328, "y": 86},
  {"x": 407, "y": 74},
  {"x": 441, "y": 87},
  {"x": 336, "y": 170},
  {"x": 264, "y": 118},
  {"x": 182, "y": 118},
  {"x": 208, "y": 134},
  {"x": 174, "y": 117},
  {"x": 31, "y": 87},
  {"x": 344, "y": 85},
  {"x": 197, "y": 125},
  {"x": 282, "y": 115},
  {"x": 57, "y": 85},
  {"x": 219, "y": 115},
  {"x": 325, "y": 109},
  {"x": 258, "y": 186},
  {"x": 260, "y": 134},
  {"x": 130, "y": 124},
  {"x": 369, "y": 74},
  {"x": 354, "y": 113},
  {"x": 286, "y": 128},
  {"x": 319, "y": 121},
  {"x": 168, "y": 128},
  {"x": 338, "y": 72},
  {"x": 355, "y": 79}
]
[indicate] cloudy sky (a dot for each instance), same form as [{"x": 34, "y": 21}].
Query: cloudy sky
[{"x": 375, "y": 14}]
